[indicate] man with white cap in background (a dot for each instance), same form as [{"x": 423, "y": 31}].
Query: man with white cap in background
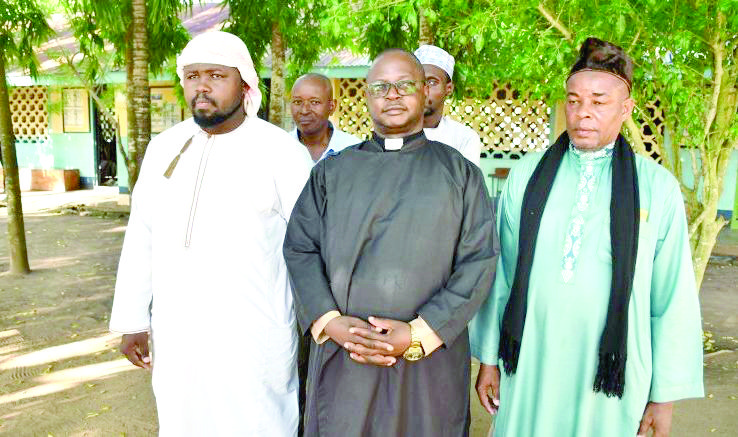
[
  {"x": 439, "y": 73},
  {"x": 202, "y": 267}
]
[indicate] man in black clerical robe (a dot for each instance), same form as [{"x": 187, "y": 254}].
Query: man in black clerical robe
[{"x": 391, "y": 248}]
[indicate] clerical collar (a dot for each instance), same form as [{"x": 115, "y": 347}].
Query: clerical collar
[{"x": 408, "y": 143}]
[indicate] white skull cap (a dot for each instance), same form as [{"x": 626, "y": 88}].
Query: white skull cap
[
  {"x": 433, "y": 55},
  {"x": 223, "y": 48}
]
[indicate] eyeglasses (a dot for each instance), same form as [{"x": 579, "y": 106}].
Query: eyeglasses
[{"x": 403, "y": 87}]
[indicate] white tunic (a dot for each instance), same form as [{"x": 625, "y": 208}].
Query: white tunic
[
  {"x": 339, "y": 141},
  {"x": 457, "y": 135},
  {"x": 204, "y": 250}
]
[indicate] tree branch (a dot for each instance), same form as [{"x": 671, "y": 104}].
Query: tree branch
[
  {"x": 721, "y": 167},
  {"x": 555, "y": 22},
  {"x": 635, "y": 40},
  {"x": 636, "y": 136},
  {"x": 718, "y": 53},
  {"x": 696, "y": 175},
  {"x": 697, "y": 222}
]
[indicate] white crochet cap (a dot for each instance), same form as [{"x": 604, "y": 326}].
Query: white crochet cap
[
  {"x": 223, "y": 48},
  {"x": 433, "y": 55}
]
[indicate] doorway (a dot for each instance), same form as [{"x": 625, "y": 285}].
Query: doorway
[{"x": 105, "y": 148}]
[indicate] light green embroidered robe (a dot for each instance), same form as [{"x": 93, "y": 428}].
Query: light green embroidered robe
[{"x": 551, "y": 392}]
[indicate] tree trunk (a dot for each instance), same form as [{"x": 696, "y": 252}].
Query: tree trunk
[
  {"x": 131, "y": 161},
  {"x": 707, "y": 225},
  {"x": 425, "y": 34},
  {"x": 16, "y": 228},
  {"x": 720, "y": 139},
  {"x": 141, "y": 97},
  {"x": 276, "y": 90}
]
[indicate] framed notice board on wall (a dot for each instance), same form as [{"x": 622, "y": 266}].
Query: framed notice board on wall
[
  {"x": 165, "y": 109},
  {"x": 76, "y": 112}
]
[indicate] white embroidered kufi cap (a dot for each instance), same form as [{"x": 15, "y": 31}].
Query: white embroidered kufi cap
[
  {"x": 433, "y": 55},
  {"x": 223, "y": 48}
]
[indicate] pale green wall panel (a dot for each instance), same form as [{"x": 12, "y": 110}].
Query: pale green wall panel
[
  {"x": 75, "y": 151},
  {"x": 35, "y": 155},
  {"x": 122, "y": 170},
  {"x": 727, "y": 198}
]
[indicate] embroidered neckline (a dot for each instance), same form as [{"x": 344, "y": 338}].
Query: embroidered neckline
[{"x": 593, "y": 155}]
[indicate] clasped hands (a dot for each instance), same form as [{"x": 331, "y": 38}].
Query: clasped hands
[{"x": 377, "y": 341}]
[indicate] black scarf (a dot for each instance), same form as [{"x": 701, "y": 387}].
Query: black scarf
[{"x": 624, "y": 222}]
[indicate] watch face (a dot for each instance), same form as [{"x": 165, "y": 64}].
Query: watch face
[{"x": 413, "y": 353}]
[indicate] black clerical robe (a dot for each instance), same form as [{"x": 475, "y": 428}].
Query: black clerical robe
[{"x": 394, "y": 234}]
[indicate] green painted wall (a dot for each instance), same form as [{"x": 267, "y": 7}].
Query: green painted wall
[
  {"x": 35, "y": 155},
  {"x": 75, "y": 150},
  {"x": 121, "y": 168},
  {"x": 68, "y": 151},
  {"x": 727, "y": 198},
  {"x": 62, "y": 151}
]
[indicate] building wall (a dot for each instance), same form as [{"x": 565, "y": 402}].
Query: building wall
[
  {"x": 73, "y": 146},
  {"x": 509, "y": 127},
  {"x": 727, "y": 197},
  {"x": 76, "y": 151},
  {"x": 41, "y": 142}
]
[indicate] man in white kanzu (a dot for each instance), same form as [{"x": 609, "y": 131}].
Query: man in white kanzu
[
  {"x": 439, "y": 73},
  {"x": 202, "y": 267}
]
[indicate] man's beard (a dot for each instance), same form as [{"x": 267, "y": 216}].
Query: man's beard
[{"x": 216, "y": 117}]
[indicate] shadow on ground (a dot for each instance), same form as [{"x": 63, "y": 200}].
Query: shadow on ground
[{"x": 61, "y": 373}]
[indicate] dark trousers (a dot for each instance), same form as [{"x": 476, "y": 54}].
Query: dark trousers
[{"x": 303, "y": 357}]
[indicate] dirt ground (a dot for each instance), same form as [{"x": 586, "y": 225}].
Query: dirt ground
[{"x": 61, "y": 373}]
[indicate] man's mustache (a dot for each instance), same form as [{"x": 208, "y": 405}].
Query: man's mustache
[
  {"x": 395, "y": 106},
  {"x": 201, "y": 97}
]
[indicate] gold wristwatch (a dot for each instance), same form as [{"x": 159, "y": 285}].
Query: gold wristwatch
[{"x": 415, "y": 351}]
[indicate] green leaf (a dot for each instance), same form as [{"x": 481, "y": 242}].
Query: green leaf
[
  {"x": 620, "y": 26},
  {"x": 479, "y": 43}
]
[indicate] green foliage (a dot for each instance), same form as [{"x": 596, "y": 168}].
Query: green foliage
[
  {"x": 667, "y": 40},
  {"x": 299, "y": 22},
  {"x": 22, "y": 26},
  {"x": 50, "y": 6},
  {"x": 684, "y": 53},
  {"x": 532, "y": 44},
  {"x": 373, "y": 26},
  {"x": 98, "y": 22}
]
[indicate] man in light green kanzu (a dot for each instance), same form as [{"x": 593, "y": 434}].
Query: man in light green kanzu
[{"x": 593, "y": 315}]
